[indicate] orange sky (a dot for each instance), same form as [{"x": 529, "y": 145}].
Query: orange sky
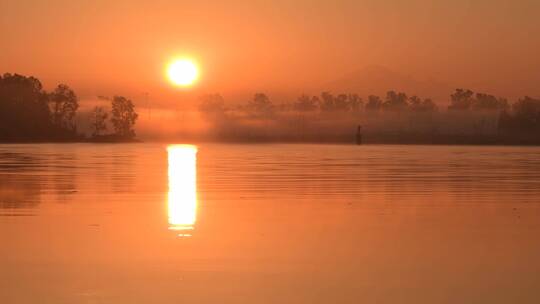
[{"x": 121, "y": 47}]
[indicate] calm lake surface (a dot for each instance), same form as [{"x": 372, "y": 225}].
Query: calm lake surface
[{"x": 157, "y": 223}]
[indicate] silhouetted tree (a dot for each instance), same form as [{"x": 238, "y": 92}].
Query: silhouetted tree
[
  {"x": 123, "y": 116},
  {"x": 212, "y": 103},
  {"x": 63, "y": 104},
  {"x": 305, "y": 103},
  {"x": 341, "y": 103},
  {"x": 461, "y": 100},
  {"x": 24, "y": 114},
  {"x": 327, "y": 102},
  {"x": 525, "y": 118},
  {"x": 261, "y": 105},
  {"x": 489, "y": 102},
  {"x": 99, "y": 118},
  {"x": 395, "y": 101},
  {"x": 374, "y": 103},
  {"x": 528, "y": 109},
  {"x": 416, "y": 104},
  {"x": 355, "y": 102},
  {"x": 428, "y": 105}
]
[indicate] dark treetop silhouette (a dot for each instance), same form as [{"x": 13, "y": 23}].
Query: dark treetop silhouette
[
  {"x": 471, "y": 118},
  {"x": 29, "y": 113}
]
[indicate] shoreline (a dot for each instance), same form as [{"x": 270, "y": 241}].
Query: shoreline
[
  {"x": 77, "y": 141},
  {"x": 258, "y": 142}
]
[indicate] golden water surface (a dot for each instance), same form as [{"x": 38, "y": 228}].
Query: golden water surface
[{"x": 157, "y": 223}]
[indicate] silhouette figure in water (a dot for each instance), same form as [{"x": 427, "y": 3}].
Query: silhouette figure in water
[{"x": 359, "y": 135}]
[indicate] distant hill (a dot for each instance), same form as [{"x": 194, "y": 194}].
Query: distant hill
[{"x": 377, "y": 80}]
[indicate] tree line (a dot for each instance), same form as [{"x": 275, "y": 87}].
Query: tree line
[
  {"x": 460, "y": 100},
  {"x": 29, "y": 113},
  {"x": 526, "y": 109},
  {"x": 325, "y": 102},
  {"x": 476, "y": 112}
]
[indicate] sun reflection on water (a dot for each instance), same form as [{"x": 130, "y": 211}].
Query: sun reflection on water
[{"x": 182, "y": 197}]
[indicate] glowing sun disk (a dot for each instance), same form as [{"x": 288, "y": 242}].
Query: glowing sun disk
[{"x": 183, "y": 72}]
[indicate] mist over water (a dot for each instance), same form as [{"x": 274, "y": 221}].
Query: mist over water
[{"x": 138, "y": 223}]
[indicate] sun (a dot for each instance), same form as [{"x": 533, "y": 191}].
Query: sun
[{"x": 183, "y": 72}]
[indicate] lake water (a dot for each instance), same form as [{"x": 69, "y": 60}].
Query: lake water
[{"x": 157, "y": 223}]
